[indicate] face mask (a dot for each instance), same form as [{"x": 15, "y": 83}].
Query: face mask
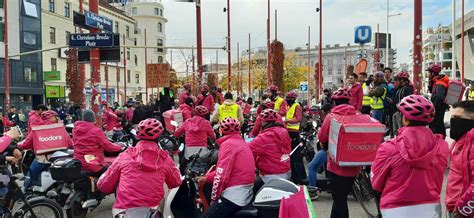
[
  {"x": 290, "y": 101},
  {"x": 459, "y": 127}
]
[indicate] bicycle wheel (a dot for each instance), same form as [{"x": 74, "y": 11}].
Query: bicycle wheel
[
  {"x": 168, "y": 142},
  {"x": 42, "y": 208},
  {"x": 364, "y": 193}
]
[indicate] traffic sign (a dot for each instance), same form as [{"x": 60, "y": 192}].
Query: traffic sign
[
  {"x": 91, "y": 40},
  {"x": 363, "y": 34},
  {"x": 303, "y": 86},
  {"x": 96, "y": 21}
]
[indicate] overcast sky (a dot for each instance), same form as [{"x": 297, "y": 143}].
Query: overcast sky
[{"x": 294, "y": 16}]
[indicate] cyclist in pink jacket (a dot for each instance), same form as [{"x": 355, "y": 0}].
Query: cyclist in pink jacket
[
  {"x": 139, "y": 173},
  {"x": 460, "y": 189},
  {"x": 271, "y": 148},
  {"x": 186, "y": 108},
  {"x": 409, "y": 169},
  {"x": 234, "y": 176}
]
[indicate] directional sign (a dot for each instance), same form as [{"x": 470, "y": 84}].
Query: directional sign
[
  {"x": 363, "y": 34},
  {"x": 91, "y": 40},
  {"x": 97, "y": 21},
  {"x": 303, "y": 86}
]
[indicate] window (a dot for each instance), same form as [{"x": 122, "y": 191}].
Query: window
[
  {"x": 136, "y": 60},
  {"x": 67, "y": 9},
  {"x": 67, "y": 36},
  {"x": 160, "y": 59},
  {"x": 135, "y": 41},
  {"x": 134, "y": 10},
  {"x": 161, "y": 12},
  {"x": 127, "y": 31},
  {"x": 51, "y": 6},
  {"x": 116, "y": 27},
  {"x": 160, "y": 43},
  {"x": 128, "y": 76},
  {"x": 54, "y": 64},
  {"x": 29, "y": 74},
  {"x": 29, "y": 38},
  {"x": 128, "y": 53},
  {"x": 137, "y": 78},
  {"x": 160, "y": 27},
  {"x": 2, "y": 32},
  {"x": 52, "y": 35},
  {"x": 339, "y": 71},
  {"x": 157, "y": 11}
]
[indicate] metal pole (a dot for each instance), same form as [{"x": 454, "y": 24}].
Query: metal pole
[
  {"x": 238, "y": 70},
  {"x": 276, "y": 24},
  {"x": 118, "y": 79},
  {"x": 417, "y": 43},
  {"x": 95, "y": 62},
  {"x": 386, "y": 40},
  {"x": 199, "y": 42},
  {"x": 250, "y": 68},
  {"x": 107, "y": 97},
  {"x": 124, "y": 73},
  {"x": 229, "y": 64},
  {"x": 7, "y": 63},
  {"x": 82, "y": 66},
  {"x": 453, "y": 39},
  {"x": 194, "y": 73},
  {"x": 309, "y": 66},
  {"x": 320, "y": 71},
  {"x": 146, "y": 68},
  {"x": 269, "y": 80},
  {"x": 378, "y": 46},
  {"x": 462, "y": 41}
]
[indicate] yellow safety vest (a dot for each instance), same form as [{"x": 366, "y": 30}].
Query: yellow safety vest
[
  {"x": 278, "y": 103},
  {"x": 290, "y": 114},
  {"x": 366, "y": 100},
  {"x": 377, "y": 102},
  {"x": 228, "y": 111},
  {"x": 470, "y": 97}
]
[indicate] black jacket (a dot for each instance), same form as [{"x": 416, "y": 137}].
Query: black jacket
[{"x": 139, "y": 114}]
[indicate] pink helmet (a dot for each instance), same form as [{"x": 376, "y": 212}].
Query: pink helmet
[
  {"x": 269, "y": 115},
  {"x": 292, "y": 94},
  {"x": 342, "y": 93},
  {"x": 404, "y": 75},
  {"x": 229, "y": 126},
  {"x": 187, "y": 86},
  {"x": 104, "y": 102},
  {"x": 273, "y": 88},
  {"x": 48, "y": 114},
  {"x": 434, "y": 68},
  {"x": 200, "y": 111},
  {"x": 149, "y": 129},
  {"x": 417, "y": 108},
  {"x": 269, "y": 104}
]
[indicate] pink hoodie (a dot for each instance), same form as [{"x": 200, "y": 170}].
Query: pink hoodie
[
  {"x": 269, "y": 147},
  {"x": 110, "y": 120},
  {"x": 356, "y": 96},
  {"x": 139, "y": 174},
  {"x": 207, "y": 102},
  {"x": 129, "y": 114},
  {"x": 323, "y": 136},
  {"x": 90, "y": 140},
  {"x": 235, "y": 165},
  {"x": 186, "y": 110},
  {"x": 460, "y": 189},
  {"x": 197, "y": 130},
  {"x": 34, "y": 120},
  {"x": 258, "y": 125},
  {"x": 5, "y": 141},
  {"x": 182, "y": 96},
  {"x": 409, "y": 169}
]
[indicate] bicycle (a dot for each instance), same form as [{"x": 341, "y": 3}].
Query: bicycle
[
  {"x": 39, "y": 206},
  {"x": 367, "y": 197}
]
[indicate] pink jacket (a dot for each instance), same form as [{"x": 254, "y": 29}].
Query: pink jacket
[
  {"x": 357, "y": 95},
  {"x": 34, "y": 120},
  {"x": 5, "y": 141},
  {"x": 110, "y": 120},
  {"x": 182, "y": 96},
  {"x": 207, "y": 102},
  {"x": 129, "y": 114},
  {"x": 235, "y": 165},
  {"x": 269, "y": 147},
  {"x": 258, "y": 125},
  {"x": 90, "y": 140},
  {"x": 186, "y": 110},
  {"x": 409, "y": 169},
  {"x": 460, "y": 183},
  {"x": 323, "y": 136},
  {"x": 197, "y": 130},
  {"x": 139, "y": 174}
]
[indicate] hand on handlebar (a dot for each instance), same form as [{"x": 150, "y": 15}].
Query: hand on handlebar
[
  {"x": 201, "y": 180},
  {"x": 17, "y": 154},
  {"x": 11, "y": 160}
]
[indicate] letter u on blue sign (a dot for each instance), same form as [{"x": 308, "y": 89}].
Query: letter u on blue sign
[{"x": 363, "y": 34}]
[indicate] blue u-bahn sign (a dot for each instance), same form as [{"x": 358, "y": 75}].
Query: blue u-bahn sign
[{"x": 363, "y": 34}]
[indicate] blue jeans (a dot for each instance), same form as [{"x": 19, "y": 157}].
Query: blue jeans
[
  {"x": 318, "y": 161},
  {"x": 377, "y": 114},
  {"x": 3, "y": 194},
  {"x": 34, "y": 173}
]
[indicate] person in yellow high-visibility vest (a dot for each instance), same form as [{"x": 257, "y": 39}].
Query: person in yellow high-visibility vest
[
  {"x": 292, "y": 120},
  {"x": 280, "y": 104},
  {"x": 366, "y": 100},
  {"x": 378, "y": 94},
  {"x": 228, "y": 109},
  {"x": 470, "y": 92}
]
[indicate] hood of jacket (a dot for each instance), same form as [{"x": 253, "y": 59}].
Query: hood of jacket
[
  {"x": 418, "y": 152},
  {"x": 228, "y": 102},
  {"x": 278, "y": 133},
  {"x": 82, "y": 127},
  {"x": 195, "y": 123},
  {"x": 184, "y": 107},
  {"x": 222, "y": 139},
  {"x": 147, "y": 156},
  {"x": 33, "y": 114},
  {"x": 344, "y": 109}
]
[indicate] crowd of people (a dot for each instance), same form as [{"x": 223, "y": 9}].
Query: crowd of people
[{"x": 408, "y": 169}]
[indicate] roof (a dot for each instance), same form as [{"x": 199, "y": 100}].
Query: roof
[{"x": 114, "y": 9}]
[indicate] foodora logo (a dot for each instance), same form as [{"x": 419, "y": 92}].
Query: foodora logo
[{"x": 50, "y": 138}]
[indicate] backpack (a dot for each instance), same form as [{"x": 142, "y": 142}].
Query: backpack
[{"x": 454, "y": 92}]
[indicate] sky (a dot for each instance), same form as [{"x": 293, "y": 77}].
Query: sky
[{"x": 294, "y": 16}]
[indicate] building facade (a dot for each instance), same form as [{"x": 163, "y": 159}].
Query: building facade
[
  {"x": 468, "y": 45},
  {"x": 129, "y": 21}
]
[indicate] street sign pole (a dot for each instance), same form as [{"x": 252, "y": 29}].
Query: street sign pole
[{"x": 95, "y": 62}]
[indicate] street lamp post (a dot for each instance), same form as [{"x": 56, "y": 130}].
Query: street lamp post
[
  {"x": 229, "y": 64},
  {"x": 387, "y": 35}
]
